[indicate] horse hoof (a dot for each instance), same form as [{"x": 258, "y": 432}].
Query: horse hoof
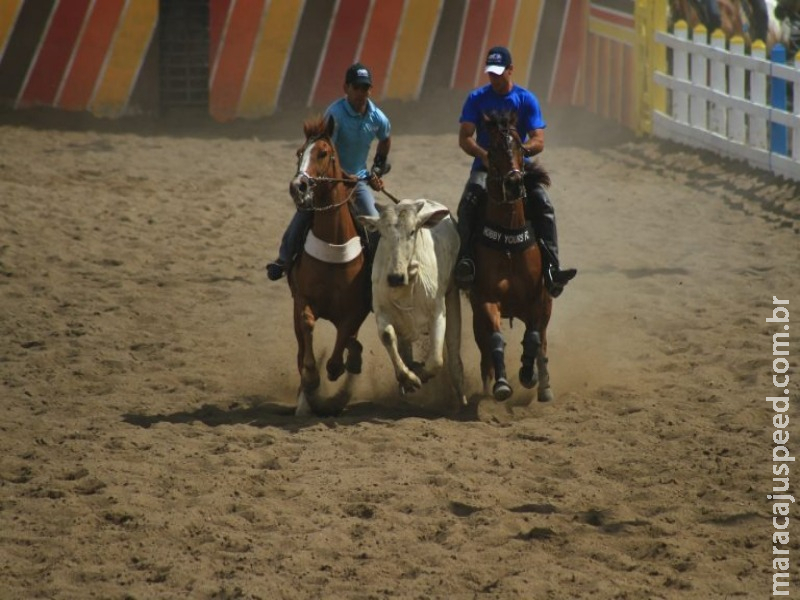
[
  {"x": 335, "y": 371},
  {"x": 545, "y": 395},
  {"x": 528, "y": 377},
  {"x": 501, "y": 391},
  {"x": 354, "y": 361}
]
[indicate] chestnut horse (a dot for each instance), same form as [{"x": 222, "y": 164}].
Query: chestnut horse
[
  {"x": 508, "y": 266},
  {"x": 329, "y": 279}
]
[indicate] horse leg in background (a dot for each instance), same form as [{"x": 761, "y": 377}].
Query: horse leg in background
[
  {"x": 531, "y": 346},
  {"x": 304, "y": 321},
  {"x": 452, "y": 341},
  {"x": 346, "y": 333},
  {"x": 545, "y": 393}
]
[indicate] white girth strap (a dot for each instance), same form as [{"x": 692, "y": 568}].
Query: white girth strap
[{"x": 332, "y": 253}]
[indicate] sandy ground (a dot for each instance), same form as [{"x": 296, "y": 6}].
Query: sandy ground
[{"x": 147, "y": 379}]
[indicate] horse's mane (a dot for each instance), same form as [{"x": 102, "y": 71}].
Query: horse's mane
[
  {"x": 315, "y": 126},
  {"x": 507, "y": 119}
]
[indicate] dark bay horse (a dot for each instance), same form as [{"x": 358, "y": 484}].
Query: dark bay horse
[
  {"x": 329, "y": 279},
  {"x": 508, "y": 265}
]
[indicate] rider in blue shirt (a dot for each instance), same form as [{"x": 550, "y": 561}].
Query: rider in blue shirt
[
  {"x": 358, "y": 121},
  {"x": 503, "y": 94}
]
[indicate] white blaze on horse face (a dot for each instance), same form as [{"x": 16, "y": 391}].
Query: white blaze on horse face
[{"x": 305, "y": 160}]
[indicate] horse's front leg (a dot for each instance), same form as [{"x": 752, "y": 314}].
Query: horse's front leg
[
  {"x": 346, "y": 339},
  {"x": 407, "y": 379},
  {"x": 486, "y": 324},
  {"x": 304, "y": 322}
]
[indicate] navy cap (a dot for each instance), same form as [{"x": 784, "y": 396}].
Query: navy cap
[
  {"x": 358, "y": 73},
  {"x": 497, "y": 60}
]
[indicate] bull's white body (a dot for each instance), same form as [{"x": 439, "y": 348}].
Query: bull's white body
[{"x": 413, "y": 293}]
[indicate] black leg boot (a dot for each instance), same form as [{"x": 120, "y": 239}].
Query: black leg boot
[
  {"x": 474, "y": 194},
  {"x": 543, "y": 217}
]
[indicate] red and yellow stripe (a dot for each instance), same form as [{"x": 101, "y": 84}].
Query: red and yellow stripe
[
  {"x": 126, "y": 55},
  {"x": 270, "y": 57},
  {"x": 56, "y": 49},
  {"x": 413, "y": 45}
]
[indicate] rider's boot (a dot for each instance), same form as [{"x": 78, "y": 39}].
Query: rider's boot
[
  {"x": 465, "y": 265},
  {"x": 544, "y": 223},
  {"x": 474, "y": 194},
  {"x": 291, "y": 244}
]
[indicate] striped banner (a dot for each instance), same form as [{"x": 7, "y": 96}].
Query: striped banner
[
  {"x": 610, "y": 61},
  {"x": 264, "y": 55},
  {"x": 126, "y": 56},
  {"x": 50, "y": 62}
]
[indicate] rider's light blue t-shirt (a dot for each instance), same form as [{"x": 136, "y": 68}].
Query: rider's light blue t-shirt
[
  {"x": 485, "y": 99},
  {"x": 354, "y": 133}
]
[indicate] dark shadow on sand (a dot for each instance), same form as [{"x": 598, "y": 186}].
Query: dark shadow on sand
[{"x": 262, "y": 411}]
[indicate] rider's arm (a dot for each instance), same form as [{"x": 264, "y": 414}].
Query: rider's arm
[
  {"x": 535, "y": 142},
  {"x": 466, "y": 140},
  {"x": 383, "y": 148}
]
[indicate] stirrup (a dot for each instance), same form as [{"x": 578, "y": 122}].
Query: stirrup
[
  {"x": 276, "y": 270},
  {"x": 555, "y": 279},
  {"x": 464, "y": 273}
]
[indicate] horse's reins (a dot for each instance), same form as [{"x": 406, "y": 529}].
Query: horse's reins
[{"x": 313, "y": 181}]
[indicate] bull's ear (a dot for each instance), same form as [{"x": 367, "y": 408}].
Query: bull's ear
[
  {"x": 419, "y": 205},
  {"x": 369, "y": 222}
]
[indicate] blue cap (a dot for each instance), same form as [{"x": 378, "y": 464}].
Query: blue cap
[{"x": 498, "y": 59}]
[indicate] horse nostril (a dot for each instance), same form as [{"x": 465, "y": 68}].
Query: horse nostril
[{"x": 395, "y": 280}]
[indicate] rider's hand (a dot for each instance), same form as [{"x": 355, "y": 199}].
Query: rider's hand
[
  {"x": 380, "y": 166},
  {"x": 375, "y": 182}
]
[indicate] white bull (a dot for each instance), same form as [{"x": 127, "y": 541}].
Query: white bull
[{"x": 413, "y": 292}]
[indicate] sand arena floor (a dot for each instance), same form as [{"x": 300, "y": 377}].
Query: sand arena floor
[{"x": 147, "y": 377}]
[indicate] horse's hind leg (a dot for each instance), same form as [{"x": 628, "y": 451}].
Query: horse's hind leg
[
  {"x": 545, "y": 394},
  {"x": 531, "y": 346}
]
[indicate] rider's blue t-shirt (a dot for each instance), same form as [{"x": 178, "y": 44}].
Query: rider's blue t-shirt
[
  {"x": 485, "y": 99},
  {"x": 354, "y": 133}
]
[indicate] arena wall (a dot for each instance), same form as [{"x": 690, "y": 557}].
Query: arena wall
[{"x": 105, "y": 56}]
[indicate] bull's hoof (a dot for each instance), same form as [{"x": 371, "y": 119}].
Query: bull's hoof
[
  {"x": 528, "y": 377},
  {"x": 409, "y": 383},
  {"x": 354, "y": 361},
  {"x": 501, "y": 390},
  {"x": 545, "y": 395},
  {"x": 334, "y": 370}
]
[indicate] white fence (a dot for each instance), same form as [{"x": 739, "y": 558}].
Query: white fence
[{"x": 739, "y": 106}]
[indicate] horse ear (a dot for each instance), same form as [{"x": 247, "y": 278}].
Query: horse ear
[{"x": 330, "y": 126}]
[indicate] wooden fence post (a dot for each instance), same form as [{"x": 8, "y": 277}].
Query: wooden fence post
[
  {"x": 737, "y": 126},
  {"x": 680, "y": 66},
  {"x": 698, "y": 106},
  {"x": 719, "y": 121},
  {"x": 758, "y": 95}
]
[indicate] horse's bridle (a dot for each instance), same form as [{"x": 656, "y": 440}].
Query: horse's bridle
[
  {"x": 512, "y": 140},
  {"x": 312, "y": 182}
]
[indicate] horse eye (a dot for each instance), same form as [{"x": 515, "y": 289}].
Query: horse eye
[
  {"x": 322, "y": 154},
  {"x": 299, "y": 152}
]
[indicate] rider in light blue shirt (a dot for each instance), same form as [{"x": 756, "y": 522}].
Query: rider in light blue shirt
[{"x": 358, "y": 121}]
